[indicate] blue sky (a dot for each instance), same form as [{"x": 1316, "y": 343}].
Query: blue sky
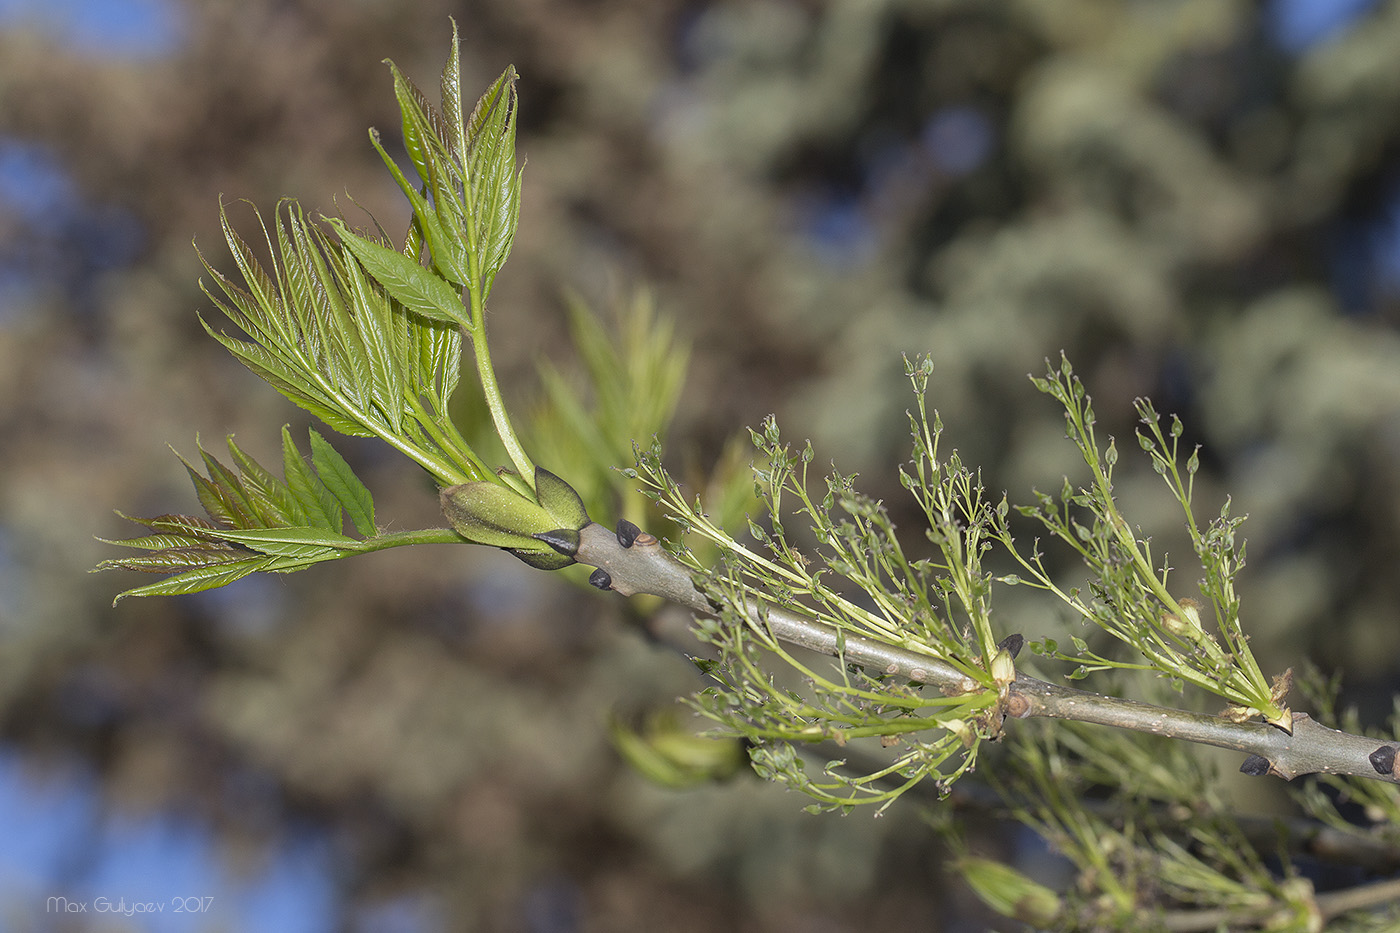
[
  {"x": 134, "y": 28},
  {"x": 1299, "y": 24},
  {"x": 60, "y": 848}
]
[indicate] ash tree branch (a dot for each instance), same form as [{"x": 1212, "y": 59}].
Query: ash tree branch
[{"x": 631, "y": 562}]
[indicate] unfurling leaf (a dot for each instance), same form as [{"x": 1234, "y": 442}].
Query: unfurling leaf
[{"x": 257, "y": 521}]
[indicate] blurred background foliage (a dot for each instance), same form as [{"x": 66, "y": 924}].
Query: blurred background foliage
[{"x": 1198, "y": 200}]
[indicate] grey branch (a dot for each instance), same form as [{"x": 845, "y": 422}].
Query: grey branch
[{"x": 643, "y": 566}]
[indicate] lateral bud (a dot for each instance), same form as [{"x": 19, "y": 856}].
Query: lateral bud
[
  {"x": 543, "y": 533},
  {"x": 1013, "y": 643},
  {"x": 1383, "y": 760},
  {"x": 1255, "y": 766},
  {"x": 627, "y": 533}
]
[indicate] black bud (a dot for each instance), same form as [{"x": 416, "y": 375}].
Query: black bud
[
  {"x": 1383, "y": 760},
  {"x": 1255, "y": 766},
  {"x": 1013, "y": 644},
  {"x": 541, "y": 559},
  {"x": 563, "y": 540},
  {"x": 626, "y": 532},
  {"x": 601, "y": 579}
]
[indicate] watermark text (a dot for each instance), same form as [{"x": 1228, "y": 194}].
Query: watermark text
[{"x": 129, "y": 908}]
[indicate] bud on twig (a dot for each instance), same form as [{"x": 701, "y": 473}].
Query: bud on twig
[{"x": 544, "y": 534}]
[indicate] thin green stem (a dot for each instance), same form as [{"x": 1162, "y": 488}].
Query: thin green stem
[
  {"x": 402, "y": 538},
  {"x": 490, "y": 388}
]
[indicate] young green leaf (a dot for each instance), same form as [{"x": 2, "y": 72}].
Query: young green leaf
[
  {"x": 272, "y": 495},
  {"x": 169, "y": 559},
  {"x": 320, "y": 503},
  {"x": 455, "y": 135},
  {"x": 327, "y": 333},
  {"x": 344, "y": 484},
  {"x": 416, "y": 288},
  {"x": 199, "y": 579},
  {"x": 446, "y": 243},
  {"x": 492, "y": 176},
  {"x": 300, "y": 547},
  {"x": 283, "y": 541}
]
